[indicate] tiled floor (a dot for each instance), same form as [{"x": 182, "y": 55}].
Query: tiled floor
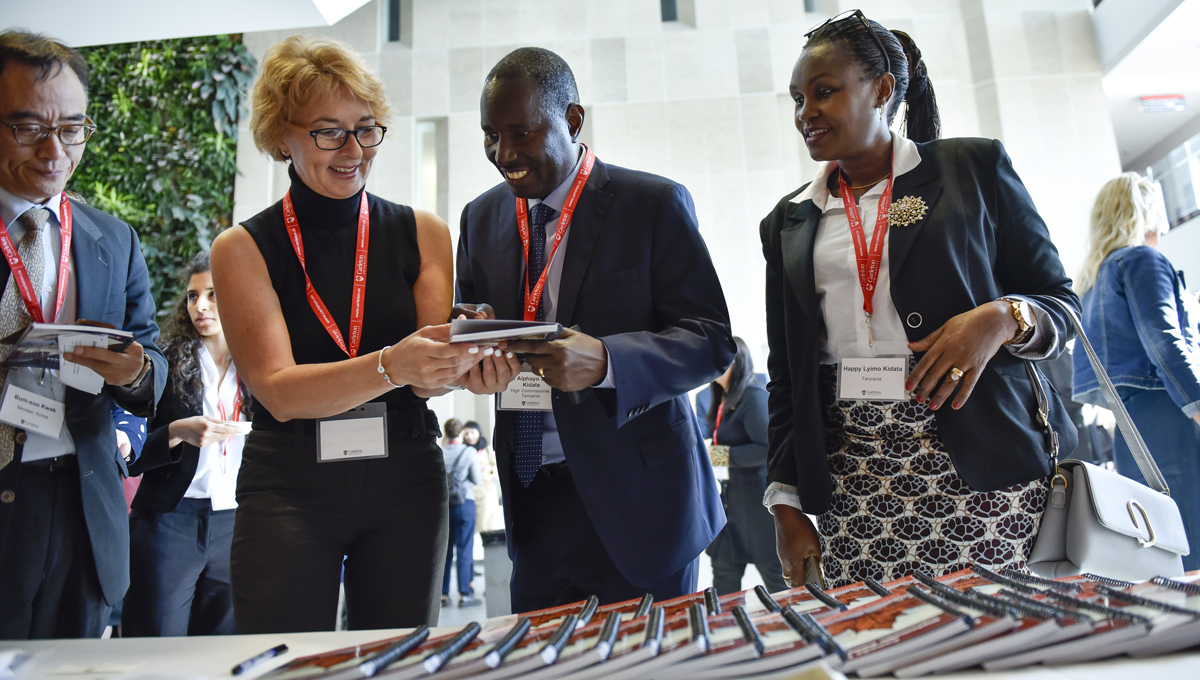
[{"x": 452, "y": 615}]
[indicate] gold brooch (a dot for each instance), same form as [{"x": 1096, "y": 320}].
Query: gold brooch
[{"x": 906, "y": 211}]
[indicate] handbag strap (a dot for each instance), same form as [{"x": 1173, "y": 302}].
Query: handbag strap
[{"x": 1133, "y": 438}]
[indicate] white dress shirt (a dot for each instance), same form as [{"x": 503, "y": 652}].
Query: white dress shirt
[
  {"x": 38, "y": 447},
  {"x": 217, "y": 470},
  {"x": 835, "y": 270},
  {"x": 552, "y": 449}
]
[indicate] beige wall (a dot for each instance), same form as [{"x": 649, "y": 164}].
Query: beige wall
[{"x": 708, "y": 105}]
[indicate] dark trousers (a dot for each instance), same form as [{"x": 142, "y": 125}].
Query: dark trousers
[
  {"x": 179, "y": 572},
  {"x": 1174, "y": 441},
  {"x": 297, "y": 519},
  {"x": 462, "y": 541},
  {"x": 558, "y": 557},
  {"x": 48, "y": 582}
]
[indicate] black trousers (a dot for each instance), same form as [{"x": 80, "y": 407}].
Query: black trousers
[
  {"x": 558, "y": 557},
  {"x": 48, "y": 582},
  {"x": 297, "y": 519},
  {"x": 179, "y": 572}
]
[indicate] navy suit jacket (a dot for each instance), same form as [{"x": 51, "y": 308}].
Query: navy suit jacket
[
  {"x": 982, "y": 238},
  {"x": 638, "y": 276},
  {"x": 113, "y": 286}
]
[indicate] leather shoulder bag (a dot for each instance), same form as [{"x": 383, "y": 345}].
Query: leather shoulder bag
[{"x": 1098, "y": 521}]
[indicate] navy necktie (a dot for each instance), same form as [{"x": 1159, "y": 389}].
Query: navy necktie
[{"x": 530, "y": 424}]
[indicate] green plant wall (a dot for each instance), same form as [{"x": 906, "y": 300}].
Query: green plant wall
[{"x": 164, "y": 156}]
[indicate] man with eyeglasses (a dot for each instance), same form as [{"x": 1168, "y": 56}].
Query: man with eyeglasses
[{"x": 64, "y": 531}]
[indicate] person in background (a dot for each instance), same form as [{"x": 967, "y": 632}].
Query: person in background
[
  {"x": 343, "y": 461},
  {"x": 1145, "y": 327},
  {"x": 948, "y": 465},
  {"x": 488, "y": 513},
  {"x": 737, "y": 419},
  {"x": 462, "y": 474},
  {"x": 181, "y": 527},
  {"x": 64, "y": 540}
]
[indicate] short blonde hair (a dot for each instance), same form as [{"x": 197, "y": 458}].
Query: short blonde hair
[
  {"x": 1126, "y": 211},
  {"x": 299, "y": 68}
]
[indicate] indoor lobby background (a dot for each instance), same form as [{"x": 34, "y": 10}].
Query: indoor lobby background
[{"x": 703, "y": 99}]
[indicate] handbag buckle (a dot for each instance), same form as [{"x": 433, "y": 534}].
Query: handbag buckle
[{"x": 1134, "y": 505}]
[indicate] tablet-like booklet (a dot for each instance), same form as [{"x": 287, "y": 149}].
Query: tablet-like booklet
[
  {"x": 494, "y": 330},
  {"x": 37, "y": 344}
]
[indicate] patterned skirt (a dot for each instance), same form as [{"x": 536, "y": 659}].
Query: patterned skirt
[{"x": 898, "y": 505}]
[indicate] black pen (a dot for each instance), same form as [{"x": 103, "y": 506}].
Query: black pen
[
  {"x": 255, "y": 660},
  {"x": 393, "y": 652}
]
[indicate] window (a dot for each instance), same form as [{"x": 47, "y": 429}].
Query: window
[
  {"x": 1179, "y": 177},
  {"x": 393, "y": 20},
  {"x": 397, "y": 21},
  {"x": 679, "y": 12}
]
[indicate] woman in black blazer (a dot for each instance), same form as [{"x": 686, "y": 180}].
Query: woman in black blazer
[
  {"x": 181, "y": 524},
  {"x": 737, "y": 424},
  {"x": 952, "y": 471}
]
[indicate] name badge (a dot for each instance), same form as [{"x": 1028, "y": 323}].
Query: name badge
[
  {"x": 527, "y": 392},
  {"x": 873, "y": 373},
  {"x": 31, "y": 411},
  {"x": 356, "y": 434}
]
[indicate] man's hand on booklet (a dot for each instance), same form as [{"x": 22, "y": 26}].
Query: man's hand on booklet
[
  {"x": 573, "y": 362},
  {"x": 465, "y": 310},
  {"x": 117, "y": 368}
]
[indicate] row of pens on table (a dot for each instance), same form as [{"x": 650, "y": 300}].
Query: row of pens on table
[{"x": 914, "y": 626}]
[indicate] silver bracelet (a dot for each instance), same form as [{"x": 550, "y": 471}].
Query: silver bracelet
[{"x": 382, "y": 371}]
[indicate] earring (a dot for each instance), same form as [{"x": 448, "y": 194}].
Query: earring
[{"x": 881, "y": 114}]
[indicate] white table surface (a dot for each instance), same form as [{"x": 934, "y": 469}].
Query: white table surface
[{"x": 213, "y": 657}]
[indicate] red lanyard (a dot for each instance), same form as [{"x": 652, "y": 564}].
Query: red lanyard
[
  {"x": 237, "y": 410},
  {"x": 24, "y": 284},
  {"x": 357, "y": 295},
  {"x": 868, "y": 262},
  {"x": 717, "y": 425},
  {"x": 533, "y": 298}
]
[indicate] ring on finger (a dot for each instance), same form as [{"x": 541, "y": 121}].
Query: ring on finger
[
  {"x": 956, "y": 374},
  {"x": 542, "y": 372}
]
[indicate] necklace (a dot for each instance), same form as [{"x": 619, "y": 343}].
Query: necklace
[{"x": 869, "y": 184}]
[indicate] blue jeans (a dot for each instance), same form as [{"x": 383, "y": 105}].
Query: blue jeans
[
  {"x": 1174, "y": 441},
  {"x": 462, "y": 539}
]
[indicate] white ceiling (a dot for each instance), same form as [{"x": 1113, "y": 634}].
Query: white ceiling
[
  {"x": 100, "y": 22},
  {"x": 1167, "y": 61}
]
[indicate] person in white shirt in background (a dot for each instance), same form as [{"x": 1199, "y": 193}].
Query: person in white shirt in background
[{"x": 181, "y": 526}]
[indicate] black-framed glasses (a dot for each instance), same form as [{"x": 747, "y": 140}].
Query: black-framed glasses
[
  {"x": 332, "y": 139},
  {"x": 866, "y": 24},
  {"x": 71, "y": 134}
]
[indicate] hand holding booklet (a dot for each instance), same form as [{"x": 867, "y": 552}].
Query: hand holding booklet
[
  {"x": 490, "y": 331},
  {"x": 41, "y": 345}
]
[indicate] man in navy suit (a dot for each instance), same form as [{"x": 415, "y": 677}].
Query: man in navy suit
[
  {"x": 64, "y": 529},
  {"x": 610, "y": 493}
]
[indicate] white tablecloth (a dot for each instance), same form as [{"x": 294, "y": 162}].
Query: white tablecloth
[{"x": 213, "y": 657}]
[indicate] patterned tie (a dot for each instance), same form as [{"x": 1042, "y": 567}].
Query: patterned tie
[
  {"x": 531, "y": 423},
  {"x": 13, "y": 315}
]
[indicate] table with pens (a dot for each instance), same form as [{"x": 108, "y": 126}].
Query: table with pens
[{"x": 968, "y": 624}]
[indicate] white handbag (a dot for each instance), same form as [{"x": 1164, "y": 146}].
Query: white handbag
[{"x": 1099, "y": 522}]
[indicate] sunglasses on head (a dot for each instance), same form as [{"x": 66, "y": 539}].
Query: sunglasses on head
[{"x": 856, "y": 13}]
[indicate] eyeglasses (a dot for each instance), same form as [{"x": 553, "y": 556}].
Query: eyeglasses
[
  {"x": 861, "y": 17},
  {"x": 332, "y": 139},
  {"x": 71, "y": 134}
]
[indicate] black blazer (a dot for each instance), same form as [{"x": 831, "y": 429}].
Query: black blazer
[
  {"x": 981, "y": 239},
  {"x": 637, "y": 275},
  {"x": 166, "y": 472},
  {"x": 113, "y": 286}
]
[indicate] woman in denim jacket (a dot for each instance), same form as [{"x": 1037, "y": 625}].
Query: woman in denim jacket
[{"x": 1143, "y": 324}]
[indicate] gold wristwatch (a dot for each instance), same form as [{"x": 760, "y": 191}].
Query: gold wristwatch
[{"x": 1023, "y": 313}]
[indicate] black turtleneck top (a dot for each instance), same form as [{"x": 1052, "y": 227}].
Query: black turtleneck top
[{"x": 329, "y": 228}]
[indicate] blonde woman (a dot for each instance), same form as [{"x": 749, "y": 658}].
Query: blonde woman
[
  {"x": 340, "y": 351},
  {"x": 1143, "y": 324}
]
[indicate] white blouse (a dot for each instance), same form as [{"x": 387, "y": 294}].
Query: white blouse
[{"x": 216, "y": 473}]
